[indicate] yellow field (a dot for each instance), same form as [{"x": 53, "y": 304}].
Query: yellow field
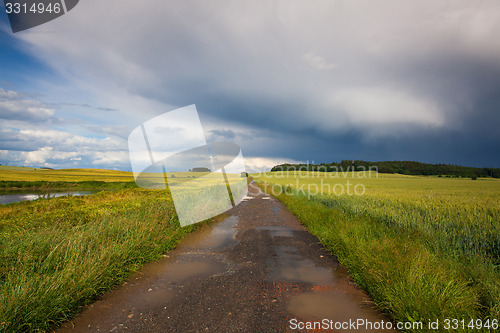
[
  {"x": 12, "y": 173},
  {"x": 69, "y": 175}
]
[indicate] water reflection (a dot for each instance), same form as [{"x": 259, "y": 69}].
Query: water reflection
[{"x": 28, "y": 196}]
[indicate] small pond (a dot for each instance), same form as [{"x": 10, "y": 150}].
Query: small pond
[{"x": 16, "y": 196}]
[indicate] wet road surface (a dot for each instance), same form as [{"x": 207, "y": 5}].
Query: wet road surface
[{"x": 254, "y": 269}]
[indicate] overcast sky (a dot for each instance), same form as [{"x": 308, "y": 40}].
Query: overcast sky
[{"x": 308, "y": 80}]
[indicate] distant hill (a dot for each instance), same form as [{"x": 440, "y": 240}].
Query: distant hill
[{"x": 401, "y": 167}]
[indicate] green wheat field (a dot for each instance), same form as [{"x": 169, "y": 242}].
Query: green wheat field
[{"x": 423, "y": 247}]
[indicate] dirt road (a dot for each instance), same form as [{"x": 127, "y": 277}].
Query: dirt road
[{"x": 255, "y": 269}]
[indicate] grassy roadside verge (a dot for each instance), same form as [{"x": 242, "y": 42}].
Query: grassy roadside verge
[
  {"x": 406, "y": 268},
  {"x": 57, "y": 254}
]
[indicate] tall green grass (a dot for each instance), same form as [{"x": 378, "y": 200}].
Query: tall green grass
[
  {"x": 424, "y": 248},
  {"x": 57, "y": 254}
]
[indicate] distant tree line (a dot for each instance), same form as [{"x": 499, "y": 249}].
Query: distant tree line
[
  {"x": 401, "y": 167},
  {"x": 199, "y": 169}
]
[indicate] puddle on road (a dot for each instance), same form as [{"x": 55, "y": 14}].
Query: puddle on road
[
  {"x": 154, "y": 287},
  {"x": 178, "y": 271},
  {"x": 335, "y": 306},
  {"x": 215, "y": 237},
  {"x": 159, "y": 282},
  {"x": 331, "y": 297},
  {"x": 184, "y": 264},
  {"x": 289, "y": 265},
  {"x": 278, "y": 231}
]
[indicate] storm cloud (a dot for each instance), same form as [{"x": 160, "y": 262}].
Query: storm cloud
[{"x": 303, "y": 80}]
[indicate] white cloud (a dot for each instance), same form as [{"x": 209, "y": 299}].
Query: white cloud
[
  {"x": 67, "y": 141},
  {"x": 50, "y": 157},
  {"x": 372, "y": 106},
  {"x": 110, "y": 159},
  {"x": 38, "y": 157},
  {"x": 264, "y": 164},
  {"x": 42, "y": 155},
  {"x": 16, "y": 106},
  {"x": 318, "y": 62},
  {"x": 56, "y": 148}
]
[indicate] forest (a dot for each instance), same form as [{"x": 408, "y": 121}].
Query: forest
[{"x": 400, "y": 167}]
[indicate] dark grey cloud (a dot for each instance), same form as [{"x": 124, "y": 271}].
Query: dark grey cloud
[
  {"x": 224, "y": 133},
  {"x": 118, "y": 131},
  {"x": 320, "y": 80},
  {"x": 84, "y": 105}
]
